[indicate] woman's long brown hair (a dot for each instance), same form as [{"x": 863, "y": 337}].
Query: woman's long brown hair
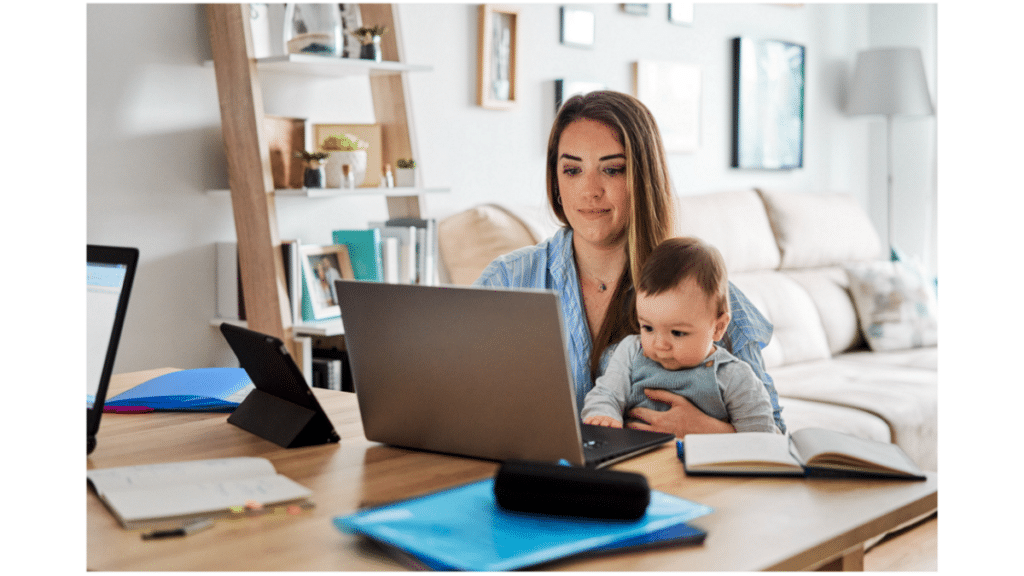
[{"x": 651, "y": 212}]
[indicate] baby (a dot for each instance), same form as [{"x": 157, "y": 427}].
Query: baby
[{"x": 682, "y": 305}]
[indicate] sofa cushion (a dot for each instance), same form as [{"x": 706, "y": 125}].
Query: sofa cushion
[
  {"x": 798, "y": 334},
  {"x": 470, "y": 240},
  {"x": 735, "y": 223},
  {"x": 895, "y": 304},
  {"x": 829, "y": 289},
  {"x": 906, "y": 398},
  {"x": 820, "y": 229}
]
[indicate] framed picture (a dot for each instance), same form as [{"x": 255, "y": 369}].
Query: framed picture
[
  {"x": 680, "y": 13},
  {"x": 577, "y": 26},
  {"x": 497, "y": 57},
  {"x": 566, "y": 88},
  {"x": 635, "y": 9},
  {"x": 671, "y": 90},
  {"x": 321, "y": 266},
  {"x": 369, "y": 133},
  {"x": 768, "y": 104}
]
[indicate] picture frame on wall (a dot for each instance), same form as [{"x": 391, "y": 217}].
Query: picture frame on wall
[
  {"x": 498, "y": 41},
  {"x": 577, "y": 26},
  {"x": 635, "y": 9},
  {"x": 564, "y": 88},
  {"x": 671, "y": 90},
  {"x": 321, "y": 266},
  {"x": 681, "y": 13},
  {"x": 768, "y": 104}
]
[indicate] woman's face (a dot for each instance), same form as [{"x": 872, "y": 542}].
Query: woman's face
[{"x": 592, "y": 182}]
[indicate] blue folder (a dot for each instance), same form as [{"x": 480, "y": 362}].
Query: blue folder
[
  {"x": 199, "y": 389},
  {"x": 463, "y": 528}
]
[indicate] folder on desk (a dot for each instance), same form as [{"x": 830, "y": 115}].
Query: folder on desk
[
  {"x": 199, "y": 390},
  {"x": 464, "y": 529}
]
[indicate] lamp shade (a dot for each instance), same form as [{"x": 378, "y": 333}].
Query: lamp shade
[{"x": 890, "y": 81}]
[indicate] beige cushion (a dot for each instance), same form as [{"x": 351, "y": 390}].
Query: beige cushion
[
  {"x": 906, "y": 398},
  {"x": 735, "y": 223},
  {"x": 470, "y": 240},
  {"x": 829, "y": 289},
  {"x": 799, "y": 414},
  {"x": 798, "y": 335},
  {"x": 895, "y": 303},
  {"x": 820, "y": 229}
]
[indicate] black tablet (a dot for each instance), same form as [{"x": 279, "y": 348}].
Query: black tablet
[{"x": 282, "y": 407}]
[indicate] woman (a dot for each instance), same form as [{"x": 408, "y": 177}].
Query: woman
[{"x": 608, "y": 184}]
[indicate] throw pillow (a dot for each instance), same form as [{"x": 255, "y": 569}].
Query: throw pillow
[{"x": 895, "y": 305}]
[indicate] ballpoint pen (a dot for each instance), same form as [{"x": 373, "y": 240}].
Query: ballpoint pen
[{"x": 185, "y": 530}]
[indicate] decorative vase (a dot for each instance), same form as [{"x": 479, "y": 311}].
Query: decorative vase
[
  {"x": 313, "y": 176},
  {"x": 355, "y": 158},
  {"x": 405, "y": 177},
  {"x": 312, "y": 29},
  {"x": 371, "y": 51}
]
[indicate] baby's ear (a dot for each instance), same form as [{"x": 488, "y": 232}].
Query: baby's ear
[{"x": 721, "y": 324}]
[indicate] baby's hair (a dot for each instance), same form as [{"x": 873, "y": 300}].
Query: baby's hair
[{"x": 676, "y": 259}]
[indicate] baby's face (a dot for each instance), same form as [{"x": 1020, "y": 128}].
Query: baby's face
[{"x": 678, "y": 327}]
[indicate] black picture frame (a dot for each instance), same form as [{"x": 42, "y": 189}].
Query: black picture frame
[{"x": 768, "y": 104}]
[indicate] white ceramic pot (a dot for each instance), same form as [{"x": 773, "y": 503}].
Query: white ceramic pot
[
  {"x": 356, "y": 159},
  {"x": 405, "y": 177}
]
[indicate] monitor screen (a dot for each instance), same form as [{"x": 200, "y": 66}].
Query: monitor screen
[{"x": 103, "y": 292}]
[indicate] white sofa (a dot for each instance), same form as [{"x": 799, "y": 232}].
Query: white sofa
[{"x": 789, "y": 253}]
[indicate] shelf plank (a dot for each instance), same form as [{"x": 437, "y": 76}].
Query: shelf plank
[
  {"x": 330, "y": 66},
  {"x": 339, "y": 192},
  {"x": 327, "y": 327}
]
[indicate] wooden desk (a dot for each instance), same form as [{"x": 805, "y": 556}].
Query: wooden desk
[{"x": 758, "y": 523}]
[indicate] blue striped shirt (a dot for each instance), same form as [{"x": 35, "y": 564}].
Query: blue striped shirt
[{"x": 550, "y": 265}]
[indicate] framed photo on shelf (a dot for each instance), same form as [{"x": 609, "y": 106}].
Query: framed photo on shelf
[
  {"x": 321, "y": 266},
  {"x": 498, "y": 41},
  {"x": 768, "y": 104},
  {"x": 369, "y": 133}
]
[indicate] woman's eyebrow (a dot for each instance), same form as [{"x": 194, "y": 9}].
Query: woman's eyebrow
[
  {"x": 603, "y": 158},
  {"x": 571, "y": 157}
]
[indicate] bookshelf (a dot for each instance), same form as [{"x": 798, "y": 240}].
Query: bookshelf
[{"x": 239, "y": 92}]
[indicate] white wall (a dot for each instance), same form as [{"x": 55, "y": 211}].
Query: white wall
[{"x": 154, "y": 143}]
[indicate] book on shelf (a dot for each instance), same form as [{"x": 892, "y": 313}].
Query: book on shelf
[
  {"x": 141, "y": 495},
  {"x": 364, "y": 250},
  {"x": 194, "y": 390},
  {"x": 230, "y": 295},
  {"x": 462, "y": 528},
  {"x": 405, "y": 260},
  {"x": 806, "y": 452},
  {"x": 426, "y": 246}
]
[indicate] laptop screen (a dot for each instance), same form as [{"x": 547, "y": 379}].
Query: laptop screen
[
  {"x": 103, "y": 293},
  {"x": 109, "y": 272}
]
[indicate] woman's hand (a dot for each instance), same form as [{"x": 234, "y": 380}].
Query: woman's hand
[
  {"x": 603, "y": 421},
  {"x": 681, "y": 418}
]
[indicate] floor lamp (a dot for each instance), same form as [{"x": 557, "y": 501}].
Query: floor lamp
[{"x": 890, "y": 82}]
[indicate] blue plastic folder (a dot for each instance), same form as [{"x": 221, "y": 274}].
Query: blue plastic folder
[
  {"x": 199, "y": 389},
  {"x": 464, "y": 529}
]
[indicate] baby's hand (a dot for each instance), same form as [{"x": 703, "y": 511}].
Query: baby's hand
[{"x": 603, "y": 421}]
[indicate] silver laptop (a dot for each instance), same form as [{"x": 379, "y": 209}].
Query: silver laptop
[{"x": 471, "y": 371}]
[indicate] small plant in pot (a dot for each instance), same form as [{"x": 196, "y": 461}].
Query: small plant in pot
[
  {"x": 405, "y": 176},
  {"x": 313, "y": 175},
  {"x": 369, "y": 37}
]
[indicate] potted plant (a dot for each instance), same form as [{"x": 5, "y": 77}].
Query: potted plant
[
  {"x": 345, "y": 149},
  {"x": 369, "y": 37},
  {"x": 405, "y": 175},
  {"x": 313, "y": 175}
]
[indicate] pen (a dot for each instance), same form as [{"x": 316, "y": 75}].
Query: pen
[{"x": 185, "y": 530}]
